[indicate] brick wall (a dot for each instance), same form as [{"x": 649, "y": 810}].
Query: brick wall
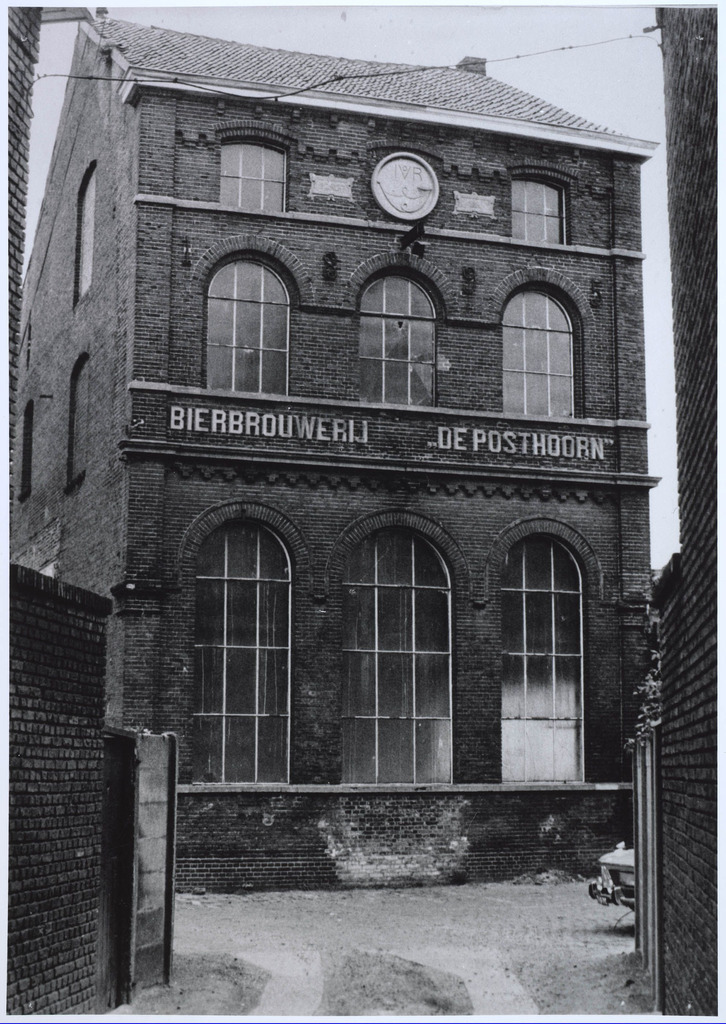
[
  {"x": 23, "y": 39},
  {"x": 55, "y": 795},
  {"x": 688, "y": 591},
  {"x": 235, "y": 842}
]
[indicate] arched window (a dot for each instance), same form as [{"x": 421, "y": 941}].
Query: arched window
[
  {"x": 542, "y": 668},
  {"x": 242, "y": 647},
  {"x": 85, "y": 217},
  {"x": 397, "y": 662},
  {"x": 538, "y": 212},
  {"x": 248, "y": 330},
  {"x": 537, "y": 356},
  {"x": 397, "y": 343},
  {"x": 78, "y": 422},
  {"x": 26, "y": 470},
  {"x": 253, "y": 177}
]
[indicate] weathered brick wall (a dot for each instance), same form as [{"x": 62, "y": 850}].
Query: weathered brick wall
[
  {"x": 241, "y": 841},
  {"x": 23, "y": 40},
  {"x": 688, "y": 593},
  {"x": 57, "y": 651}
]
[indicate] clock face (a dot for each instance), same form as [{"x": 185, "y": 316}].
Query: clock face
[{"x": 405, "y": 186}]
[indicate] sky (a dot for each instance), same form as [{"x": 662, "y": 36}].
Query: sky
[{"x": 618, "y": 84}]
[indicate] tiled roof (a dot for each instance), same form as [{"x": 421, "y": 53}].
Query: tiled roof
[{"x": 159, "y": 49}]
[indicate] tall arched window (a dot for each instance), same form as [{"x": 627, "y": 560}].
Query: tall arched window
[
  {"x": 397, "y": 343},
  {"x": 538, "y": 211},
  {"x": 78, "y": 411},
  {"x": 248, "y": 329},
  {"x": 242, "y": 646},
  {"x": 253, "y": 177},
  {"x": 26, "y": 471},
  {"x": 397, "y": 662},
  {"x": 537, "y": 356},
  {"x": 542, "y": 668},
  {"x": 85, "y": 219}
]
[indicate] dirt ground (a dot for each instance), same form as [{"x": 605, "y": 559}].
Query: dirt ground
[{"x": 473, "y": 949}]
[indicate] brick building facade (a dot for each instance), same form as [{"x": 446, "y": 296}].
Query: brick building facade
[
  {"x": 340, "y": 395},
  {"x": 687, "y": 591}
]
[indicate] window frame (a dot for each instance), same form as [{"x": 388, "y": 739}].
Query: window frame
[
  {"x": 77, "y": 423},
  {"x": 264, "y": 146},
  {"x": 384, "y": 317},
  {"x": 536, "y": 288},
  {"x": 411, "y": 654},
  {"x": 26, "y": 464},
  {"x": 529, "y": 218},
  {"x": 265, "y": 269},
  {"x": 85, "y": 233},
  {"x": 552, "y": 654},
  {"x": 224, "y": 715}
]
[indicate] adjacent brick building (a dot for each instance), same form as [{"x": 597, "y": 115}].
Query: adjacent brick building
[
  {"x": 338, "y": 381},
  {"x": 687, "y": 592}
]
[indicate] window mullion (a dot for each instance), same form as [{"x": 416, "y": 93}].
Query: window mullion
[
  {"x": 524, "y": 657},
  {"x": 414, "y": 708},
  {"x": 375, "y": 645},
  {"x": 225, "y": 599},
  {"x": 257, "y": 653}
]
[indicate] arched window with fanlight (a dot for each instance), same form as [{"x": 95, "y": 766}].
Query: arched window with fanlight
[
  {"x": 396, "y": 662},
  {"x": 248, "y": 329},
  {"x": 542, "y": 663},
  {"x": 242, "y": 663},
  {"x": 537, "y": 359},
  {"x": 397, "y": 350},
  {"x": 85, "y": 232}
]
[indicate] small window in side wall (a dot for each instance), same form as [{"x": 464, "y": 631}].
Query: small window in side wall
[
  {"x": 85, "y": 219},
  {"x": 537, "y": 358},
  {"x": 538, "y": 211},
  {"x": 26, "y": 470},
  {"x": 397, "y": 343},
  {"x": 542, "y": 664},
  {"x": 242, "y": 657},
  {"x": 253, "y": 177},
  {"x": 248, "y": 330},
  {"x": 78, "y": 411}
]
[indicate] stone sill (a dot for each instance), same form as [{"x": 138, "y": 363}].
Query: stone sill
[{"x": 199, "y": 788}]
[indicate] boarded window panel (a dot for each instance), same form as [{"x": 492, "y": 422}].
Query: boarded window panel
[
  {"x": 536, "y": 310},
  {"x": 371, "y": 380},
  {"x": 396, "y": 383},
  {"x": 538, "y": 566},
  {"x": 513, "y": 686},
  {"x": 248, "y": 281},
  {"x": 567, "y": 689},
  {"x": 273, "y": 563},
  {"x": 567, "y": 623},
  {"x": 241, "y": 551},
  {"x": 540, "y": 751},
  {"x": 248, "y": 324},
  {"x": 210, "y": 560},
  {"x": 239, "y": 753},
  {"x": 274, "y": 326},
  {"x": 273, "y": 614},
  {"x": 207, "y": 749},
  {"x": 539, "y": 687},
  {"x": 229, "y": 192},
  {"x": 512, "y": 570},
  {"x": 535, "y": 351},
  {"x": 422, "y": 384},
  {"x": 395, "y": 685},
  {"x": 395, "y": 343},
  {"x": 567, "y": 752},
  {"x": 514, "y": 313},
  {"x": 250, "y": 195},
  {"x": 273, "y": 289},
  {"x": 429, "y": 570},
  {"x": 433, "y": 751},
  {"x": 274, "y": 164},
  {"x": 395, "y": 750},
  {"x": 394, "y": 551},
  {"x": 537, "y": 396},
  {"x": 274, "y": 373},
  {"x": 359, "y": 684},
  {"x": 432, "y": 686},
  {"x": 241, "y": 680},
  {"x": 361, "y": 562},
  {"x": 221, "y": 322},
  {"x": 372, "y": 301},
  {"x": 557, "y": 318},
  {"x": 371, "y": 337},
  {"x": 219, "y": 367},
  {"x": 565, "y": 570},
  {"x": 560, "y": 353},
  {"x": 358, "y": 618},
  {"x": 209, "y": 679},
  {"x": 513, "y": 392},
  {"x": 560, "y": 396},
  {"x": 241, "y": 613},
  {"x": 513, "y": 349},
  {"x": 394, "y": 619},
  {"x": 539, "y": 623},
  {"x": 247, "y": 370},
  {"x": 231, "y": 160},
  {"x": 273, "y": 195},
  {"x": 513, "y": 750},
  {"x": 512, "y": 622},
  {"x": 518, "y": 225},
  {"x": 359, "y": 750},
  {"x": 553, "y": 228},
  {"x": 420, "y": 303},
  {"x": 252, "y": 157},
  {"x": 421, "y": 341},
  {"x": 210, "y": 612},
  {"x": 396, "y": 295},
  {"x": 432, "y": 620},
  {"x": 222, "y": 285},
  {"x": 272, "y": 750},
  {"x": 273, "y": 683}
]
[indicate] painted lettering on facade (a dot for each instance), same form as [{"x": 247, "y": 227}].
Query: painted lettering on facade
[
  {"x": 521, "y": 442},
  {"x": 248, "y": 423}
]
